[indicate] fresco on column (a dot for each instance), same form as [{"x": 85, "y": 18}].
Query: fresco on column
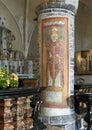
[{"x": 55, "y": 57}]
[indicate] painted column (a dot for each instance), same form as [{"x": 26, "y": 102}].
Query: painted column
[{"x": 56, "y": 39}]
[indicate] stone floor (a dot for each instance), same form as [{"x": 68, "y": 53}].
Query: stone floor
[
  {"x": 49, "y": 127},
  {"x": 53, "y": 128}
]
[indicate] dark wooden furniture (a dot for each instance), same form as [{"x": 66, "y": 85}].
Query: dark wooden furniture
[
  {"x": 83, "y": 94},
  {"x": 86, "y": 98},
  {"x": 27, "y": 82},
  {"x": 35, "y": 93}
]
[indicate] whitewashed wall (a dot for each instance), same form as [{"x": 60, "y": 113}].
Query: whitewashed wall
[{"x": 11, "y": 24}]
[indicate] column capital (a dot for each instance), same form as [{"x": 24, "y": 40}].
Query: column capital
[{"x": 53, "y": 6}]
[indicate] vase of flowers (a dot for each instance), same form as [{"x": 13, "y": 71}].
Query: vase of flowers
[{"x": 8, "y": 80}]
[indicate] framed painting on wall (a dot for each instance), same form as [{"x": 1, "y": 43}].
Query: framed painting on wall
[{"x": 83, "y": 62}]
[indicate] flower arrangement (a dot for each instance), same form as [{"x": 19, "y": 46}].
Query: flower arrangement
[
  {"x": 13, "y": 80},
  {"x": 7, "y": 80}
]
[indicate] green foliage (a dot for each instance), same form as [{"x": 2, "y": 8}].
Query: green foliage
[
  {"x": 7, "y": 80},
  {"x": 4, "y": 78}
]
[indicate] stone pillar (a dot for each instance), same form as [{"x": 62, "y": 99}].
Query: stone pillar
[{"x": 56, "y": 39}]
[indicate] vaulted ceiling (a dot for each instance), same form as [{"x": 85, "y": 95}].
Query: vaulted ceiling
[
  {"x": 25, "y": 10},
  {"x": 17, "y": 7},
  {"x": 87, "y": 3}
]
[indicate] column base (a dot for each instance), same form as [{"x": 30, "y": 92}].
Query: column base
[
  {"x": 58, "y": 120},
  {"x": 66, "y": 127}
]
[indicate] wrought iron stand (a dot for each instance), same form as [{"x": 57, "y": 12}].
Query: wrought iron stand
[{"x": 35, "y": 104}]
